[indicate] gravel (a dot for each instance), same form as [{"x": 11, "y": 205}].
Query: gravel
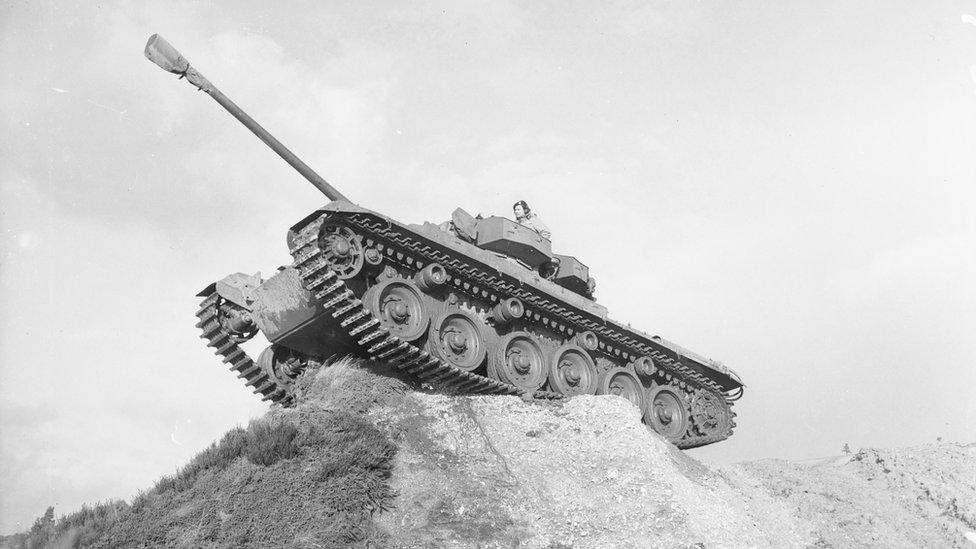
[{"x": 496, "y": 472}]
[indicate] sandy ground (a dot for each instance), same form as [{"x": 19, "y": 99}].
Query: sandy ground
[{"x": 909, "y": 497}]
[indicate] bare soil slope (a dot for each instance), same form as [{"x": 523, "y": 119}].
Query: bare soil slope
[
  {"x": 909, "y": 497},
  {"x": 365, "y": 459}
]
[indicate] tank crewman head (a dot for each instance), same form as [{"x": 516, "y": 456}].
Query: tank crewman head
[{"x": 521, "y": 209}]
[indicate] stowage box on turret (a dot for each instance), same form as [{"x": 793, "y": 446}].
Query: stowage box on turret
[{"x": 474, "y": 305}]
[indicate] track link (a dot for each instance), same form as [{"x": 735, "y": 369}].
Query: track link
[{"x": 226, "y": 346}]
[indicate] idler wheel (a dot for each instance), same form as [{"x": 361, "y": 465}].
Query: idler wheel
[
  {"x": 572, "y": 371},
  {"x": 342, "y": 249},
  {"x": 621, "y": 382},
  {"x": 666, "y": 412},
  {"x": 282, "y": 364},
  {"x": 236, "y": 321},
  {"x": 456, "y": 337},
  {"x": 400, "y": 307},
  {"x": 519, "y": 360}
]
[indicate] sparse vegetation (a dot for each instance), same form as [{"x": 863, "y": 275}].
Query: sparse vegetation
[
  {"x": 80, "y": 529},
  {"x": 216, "y": 456},
  {"x": 40, "y": 535},
  {"x": 313, "y": 474}
]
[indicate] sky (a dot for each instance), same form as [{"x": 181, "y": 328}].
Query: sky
[{"x": 785, "y": 187}]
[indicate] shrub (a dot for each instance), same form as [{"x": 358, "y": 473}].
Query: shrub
[
  {"x": 267, "y": 442},
  {"x": 355, "y": 446},
  {"x": 79, "y": 529}
]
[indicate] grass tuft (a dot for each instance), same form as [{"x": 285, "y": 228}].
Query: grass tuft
[
  {"x": 216, "y": 457},
  {"x": 268, "y": 442},
  {"x": 356, "y": 446}
]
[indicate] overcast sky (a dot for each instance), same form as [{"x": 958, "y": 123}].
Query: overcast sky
[{"x": 785, "y": 187}]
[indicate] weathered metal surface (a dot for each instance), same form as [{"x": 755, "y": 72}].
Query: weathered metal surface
[
  {"x": 239, "y": 288},
  {"x": 289, "y": 315},
  {"x": 508, "y": 237},
  {"x": 572, "y": 274}
]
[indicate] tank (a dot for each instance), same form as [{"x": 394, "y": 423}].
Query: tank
[{"x": 473, "y": 305}]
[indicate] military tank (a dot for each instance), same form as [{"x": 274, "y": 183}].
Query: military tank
[{"x": 471, "y": 306}]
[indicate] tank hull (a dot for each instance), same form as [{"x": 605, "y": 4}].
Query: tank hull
[
  {"x": 428, "y": 243},
  {"x": 554, "y": 344}
]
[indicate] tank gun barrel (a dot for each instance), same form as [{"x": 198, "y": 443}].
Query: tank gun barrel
[{"x": 160, "y": 52}]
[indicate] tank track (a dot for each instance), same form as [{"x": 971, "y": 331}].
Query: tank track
[
  {"x": 545, "y": 310},
  {"x": 226, "y": 345},
  {"x": 373, "y": 339},
  {"x": 379, "y": 344}
]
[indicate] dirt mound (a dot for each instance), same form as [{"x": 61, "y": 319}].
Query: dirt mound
[
  {"x": 911, "y": 497},
  {"x": 367, "y": 459},
  {"x": 493, "y": 471}
]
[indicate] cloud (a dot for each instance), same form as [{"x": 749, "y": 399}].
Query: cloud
[
  {"x": 966, "y": 18},
  {"x": 25, "y": 417},
  {"x": 153, "y": 146},
  {"x": 941, "y": 264},
  {"x": 27, "y": 240}
]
